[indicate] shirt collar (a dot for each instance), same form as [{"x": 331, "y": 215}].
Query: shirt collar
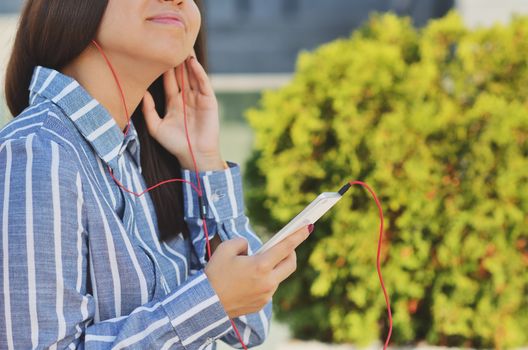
[{"x": 92, "y": 120}]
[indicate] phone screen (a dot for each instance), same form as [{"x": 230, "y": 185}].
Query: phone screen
[{"x": 309, "y": 215}]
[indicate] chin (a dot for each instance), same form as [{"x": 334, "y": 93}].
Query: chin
[{"x": 166, "y": 59}]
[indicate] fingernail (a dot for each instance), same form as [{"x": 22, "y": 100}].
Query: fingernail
[{"x": 310, "y": 228}]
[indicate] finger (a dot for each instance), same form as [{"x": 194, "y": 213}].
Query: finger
[
  {"x": 171, "y": 88},
  {"x": 150, "y": 114},
  {"x": 193, "y": 82},
  {"x": 204, "y": 84},
  {"x": 233, "y": 247},
  {"x": 177, "y": 74},
  {"x": 285, "y": 268},
  {"x": 281, "y": 250},
  {"x": 182, "y": 70}
]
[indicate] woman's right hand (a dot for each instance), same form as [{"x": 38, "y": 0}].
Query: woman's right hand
[{"x": 245, "y": 284}]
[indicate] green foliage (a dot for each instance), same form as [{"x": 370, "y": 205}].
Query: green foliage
[{"x": 436, "y": 122}]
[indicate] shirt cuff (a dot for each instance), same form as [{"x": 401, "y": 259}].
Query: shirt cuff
[
  {"x": 196, "y": 313},
  {"x": 222, "y": 190}
]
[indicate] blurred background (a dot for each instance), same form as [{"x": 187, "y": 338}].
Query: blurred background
[{"x": 253, "y": 47}]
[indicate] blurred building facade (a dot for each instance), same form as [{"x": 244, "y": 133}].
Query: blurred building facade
[
  {"x": 253, "y": 44},
  {"x": 10, "y": 6},
  {"x": 255, "y": 36}
]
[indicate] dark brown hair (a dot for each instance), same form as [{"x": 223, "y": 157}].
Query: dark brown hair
[{"x": 52, "y": 33}]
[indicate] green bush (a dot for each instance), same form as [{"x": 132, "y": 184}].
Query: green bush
[{"x": 436, "y": 121}]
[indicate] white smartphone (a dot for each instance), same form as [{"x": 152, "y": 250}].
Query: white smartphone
[{"x": 309, "y": 215}]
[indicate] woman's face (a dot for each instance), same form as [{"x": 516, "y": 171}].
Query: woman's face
[{"x": 148, "y": 31}]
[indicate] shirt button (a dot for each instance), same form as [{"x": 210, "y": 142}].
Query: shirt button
[
  {"x": 217, "y": 195},
  {"x": 209, "y": 340}
]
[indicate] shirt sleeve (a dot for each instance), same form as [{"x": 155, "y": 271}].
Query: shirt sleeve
[
  {"x": 223, "y": 197},
  {"x": 45, "y": 301}
]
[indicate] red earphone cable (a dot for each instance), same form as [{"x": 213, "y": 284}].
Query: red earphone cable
[
  {"x": 200, "y": 192},
  {"x": 387, "y": 301},
  {"x": 197, "y": 189}
]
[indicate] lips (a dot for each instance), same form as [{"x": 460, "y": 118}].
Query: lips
[{"x": 168, "y": 18}]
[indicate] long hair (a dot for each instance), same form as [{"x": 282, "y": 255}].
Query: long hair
[{"x": 52, "y": 33}]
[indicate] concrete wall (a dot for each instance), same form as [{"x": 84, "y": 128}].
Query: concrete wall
[
  {"x": 7, "y": 32},
  {"x": 487, "y": 12}
]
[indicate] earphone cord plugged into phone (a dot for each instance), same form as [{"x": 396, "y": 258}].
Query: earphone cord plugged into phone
[
  {"x": 342, "y": 191},
  {"x": 203, "y": 208}
]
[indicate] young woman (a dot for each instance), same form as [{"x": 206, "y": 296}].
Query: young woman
[{"x": 88, "y": 259}]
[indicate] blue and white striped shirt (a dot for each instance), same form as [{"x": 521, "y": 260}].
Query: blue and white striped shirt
[{"x": 82, "y": 262}]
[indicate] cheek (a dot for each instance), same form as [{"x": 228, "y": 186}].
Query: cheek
[
  {"x": 119, "y": 29},
  {"x": 196, "y": 19}
]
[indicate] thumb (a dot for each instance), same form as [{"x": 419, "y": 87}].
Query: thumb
[
  {"x": 150, "y": 114},
  {"x": 235, "y": 246}
]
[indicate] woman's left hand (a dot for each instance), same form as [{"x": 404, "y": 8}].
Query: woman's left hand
[{"x": 201, "y": 108}]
